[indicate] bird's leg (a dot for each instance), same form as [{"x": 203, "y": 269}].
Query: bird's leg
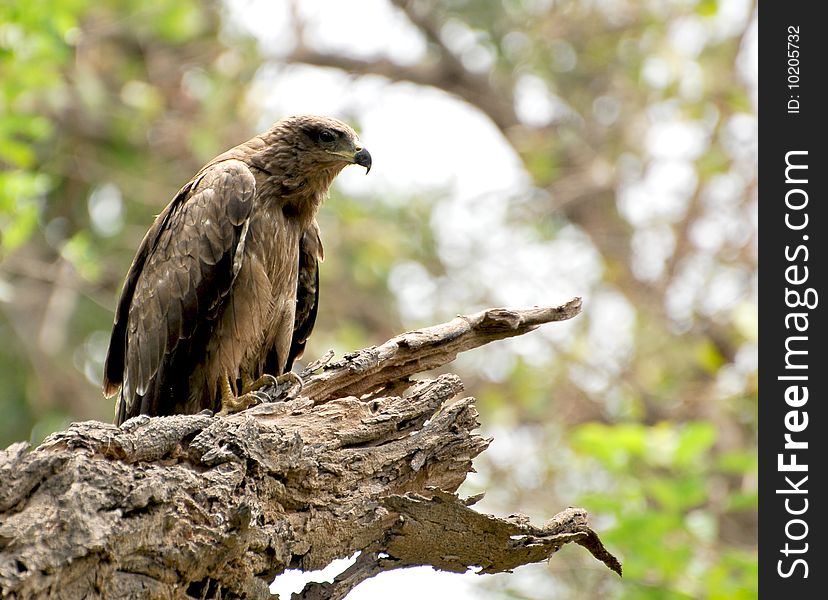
[
  {"x": 289, "y": 384},
  {"x": 230, "y": 403}
]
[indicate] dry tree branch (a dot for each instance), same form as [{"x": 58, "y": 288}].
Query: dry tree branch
[{"x": 205, "y": 507}]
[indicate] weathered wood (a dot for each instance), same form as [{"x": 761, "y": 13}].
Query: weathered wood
[
  {"x": 208, "y": 507},
  {"x": 416, "y": 351}
]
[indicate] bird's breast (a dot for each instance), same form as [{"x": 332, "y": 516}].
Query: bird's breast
[
  {"x": 273, "y": 244},
  {"x": 271, "y": 266}
]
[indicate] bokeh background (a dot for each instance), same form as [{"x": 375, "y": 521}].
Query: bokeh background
[{"x": 525, "y": 151}]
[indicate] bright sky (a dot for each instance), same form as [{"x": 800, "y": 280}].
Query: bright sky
[{"x": 402, "y": 584}]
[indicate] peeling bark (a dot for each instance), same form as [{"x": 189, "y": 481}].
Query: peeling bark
[{"x": 207, "y": 507}]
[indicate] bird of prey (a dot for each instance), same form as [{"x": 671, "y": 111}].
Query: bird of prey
[{"x": 223, "y": 291}]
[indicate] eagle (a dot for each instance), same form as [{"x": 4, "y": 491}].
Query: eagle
[{"x": 223, "y": 291}]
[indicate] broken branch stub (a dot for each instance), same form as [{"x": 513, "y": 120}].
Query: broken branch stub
[{"x": 201, "y": 506}]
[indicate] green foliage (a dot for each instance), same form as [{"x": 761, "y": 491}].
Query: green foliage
[
  {"x": 32, "y": 51},
  {"x": 665, "y": 478},
  {"x": 19, "y": 193}
]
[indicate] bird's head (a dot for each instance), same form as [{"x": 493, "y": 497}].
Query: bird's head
[{"x": 322, "y": 142}]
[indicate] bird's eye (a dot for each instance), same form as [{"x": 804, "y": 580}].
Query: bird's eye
[{"x": 326, "y": 136}]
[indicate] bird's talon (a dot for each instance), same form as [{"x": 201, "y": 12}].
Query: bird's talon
[
  {"x": 262, "y": 382},
  {"x": 291, "y": 377},
  {"x": 289, "y": 385},
  {"x": 236, "y": 404}
]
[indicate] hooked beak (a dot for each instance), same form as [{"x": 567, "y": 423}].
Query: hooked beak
[
  {"x": 358, "y": 156},
  {"x": 363, "y": 158}
]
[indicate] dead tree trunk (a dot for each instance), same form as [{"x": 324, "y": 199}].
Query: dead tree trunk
[{"x": 364, "y": 459}]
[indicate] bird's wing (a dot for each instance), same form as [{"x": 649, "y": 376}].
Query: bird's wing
[
  {"x": 307, "y": 291},
  {"x": 183, "y": 270}
]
